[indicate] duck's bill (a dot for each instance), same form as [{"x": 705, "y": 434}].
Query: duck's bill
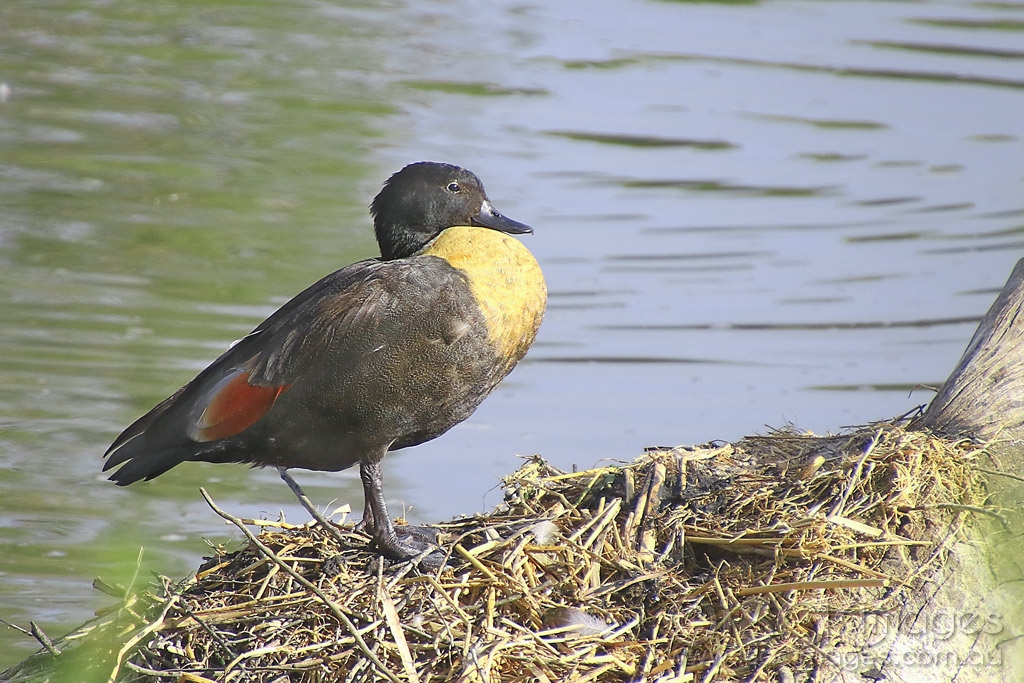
[{"x": 490, "y": 218}]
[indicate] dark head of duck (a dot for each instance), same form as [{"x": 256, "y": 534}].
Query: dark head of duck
[{"x": 409, "y": 211}]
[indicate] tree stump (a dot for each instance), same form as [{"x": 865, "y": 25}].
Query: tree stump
[
  {"x": 971, "y": 619},
  {"x": 984, "y": 396}
]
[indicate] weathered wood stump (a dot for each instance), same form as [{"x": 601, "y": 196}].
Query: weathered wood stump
[
  {"x": 984, "y": 395},
  {"x": 972, "y": 617}
]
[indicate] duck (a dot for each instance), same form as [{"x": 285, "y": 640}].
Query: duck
[{"x": 381, "y": 355}]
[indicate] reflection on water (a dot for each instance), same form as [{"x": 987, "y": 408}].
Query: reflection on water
[{"x": 747, "y": 213}]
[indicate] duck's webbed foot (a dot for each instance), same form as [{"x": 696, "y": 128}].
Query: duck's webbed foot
[{"x": 408, "y": 542}]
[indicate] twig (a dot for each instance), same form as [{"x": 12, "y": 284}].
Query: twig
[
  {"x": 140, "y": 636},
  {"x": 1000, "y": 474},
  {"x": 15, "y": 627},
  {"x": 813, "y": 585},
  {"x": 837, "y": 508},
  {"x": 395, "y": 625},
  {"x": 962, "y": 508},
  {"x": 475, "y": 562},
  {"x": 217, "y": 638},
  {"x": 338, "y": 614},
  {"x": 37, "y": 633}
]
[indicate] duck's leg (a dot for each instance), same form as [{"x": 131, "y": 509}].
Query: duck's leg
[
  {"x": 308, "y": 504},
  {"x": 296, "y": 489},
  {"x": 377, "y": 522},
  {"x": 395, "y": 544}
]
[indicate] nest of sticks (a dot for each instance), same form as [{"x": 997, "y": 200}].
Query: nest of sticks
[{"x": 721, "y": 562}]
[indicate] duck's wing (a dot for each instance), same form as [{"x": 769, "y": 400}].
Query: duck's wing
[{"x": 242, "y": 385}]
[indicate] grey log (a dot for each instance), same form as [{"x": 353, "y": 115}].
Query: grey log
[
  {"x": 984, "y": 396},
  {"x": 983, "y": 575}
]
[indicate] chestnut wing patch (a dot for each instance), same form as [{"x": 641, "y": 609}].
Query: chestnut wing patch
[{"x": 233, "y": 406}]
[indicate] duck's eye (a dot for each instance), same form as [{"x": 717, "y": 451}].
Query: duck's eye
[{"x": 454, "y": 188}]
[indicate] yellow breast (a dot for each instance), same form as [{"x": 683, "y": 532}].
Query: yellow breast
[{"x": 505, "y": 279}]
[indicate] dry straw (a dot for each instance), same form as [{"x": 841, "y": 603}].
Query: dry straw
[{"x": 722, "y": 562}]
